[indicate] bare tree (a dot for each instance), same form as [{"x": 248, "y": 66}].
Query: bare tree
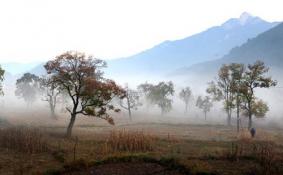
[
  {"x": 131, "y": 101},
  {"x": 50, "y": 92}
]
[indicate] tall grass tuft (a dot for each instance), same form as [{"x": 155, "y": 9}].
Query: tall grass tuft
[
  {"x": 23, "y": 139},
  {"x": 130, "y": 141}
]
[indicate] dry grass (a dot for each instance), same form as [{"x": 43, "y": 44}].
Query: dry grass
[
  {"x": 23, "y": 139},
  {"x": 201, "y": 147},
  {"x": 262, "y": 153},
  {"x": 130, "y": 141},
  {"x": 265, "y": 154}
]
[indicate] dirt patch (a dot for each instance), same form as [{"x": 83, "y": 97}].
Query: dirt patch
[
  {"x": 129, "y": 169},
  {"x": 127, "y": 165}
]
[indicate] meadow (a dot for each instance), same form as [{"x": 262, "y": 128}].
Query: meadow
[{"x": 34, "y": 144}]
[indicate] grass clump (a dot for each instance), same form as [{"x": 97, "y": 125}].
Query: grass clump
[
  {"x": 23, "y": 139},
  {"x": 130, "y": 141}
]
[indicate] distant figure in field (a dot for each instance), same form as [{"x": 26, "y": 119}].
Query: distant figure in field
[{"x": 253, "y": 131}]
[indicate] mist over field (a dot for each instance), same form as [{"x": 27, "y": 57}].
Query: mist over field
[
  {"x": 194, "y": 74},
  {"x": 141, "y": 87}
]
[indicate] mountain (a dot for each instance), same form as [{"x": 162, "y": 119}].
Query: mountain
[
  {"x": 18, "y": 68},
  {"x": 38, "y": 70},
  {"x": 211, "y": 44},
  {"x": 266, "y": 47}
]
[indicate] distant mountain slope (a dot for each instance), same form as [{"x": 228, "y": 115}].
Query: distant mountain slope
[
  {"x": 38, "y": 70},
  {"x": 18, "y": 68},
  {"x": 266, "y": 47},
  {"x": 208, "y": 45}
]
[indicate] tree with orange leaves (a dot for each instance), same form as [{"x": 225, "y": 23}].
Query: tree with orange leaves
[{"x": 81, "y": 77}]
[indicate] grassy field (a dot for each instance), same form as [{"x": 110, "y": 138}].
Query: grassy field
[{"x": 160, "y": 146}]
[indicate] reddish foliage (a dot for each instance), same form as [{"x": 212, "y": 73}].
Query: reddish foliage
[{"x": 81, "y": 77}]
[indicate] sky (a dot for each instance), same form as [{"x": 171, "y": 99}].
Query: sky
[{"x": 38, "y": 30}]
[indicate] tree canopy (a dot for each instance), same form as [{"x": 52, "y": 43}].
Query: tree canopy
[
  {"x": 50, "y": 92},
  {"x": 223, "y": 89},
  {"x": 131, "y": 101},
  {"x": 254, "y": 77},
  {"x": 185, "y": 95},
  {"x": 81, "y": 77},
  {"x": 159, "y": 94},
  {"x": 205, "y": 104},
  {"x": 28, "y": 87}
]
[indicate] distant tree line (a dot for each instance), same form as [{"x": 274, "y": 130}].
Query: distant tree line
[{"x": 76, "y": 80}]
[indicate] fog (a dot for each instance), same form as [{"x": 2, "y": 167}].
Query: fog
[{"x": 16, "y": 111}]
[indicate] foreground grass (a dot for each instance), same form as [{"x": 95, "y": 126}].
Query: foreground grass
[{"x": 54, "y": 153}]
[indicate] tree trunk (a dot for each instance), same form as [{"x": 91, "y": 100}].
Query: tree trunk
[
  {"x": 70, "y": 126},
  {"x": 186, "y": 109},
  {"x": 130, "y": 113},
  {"x": 238, "y": 115},
  {"x": 229, "y": 113},
  {"x": 250, "y": 121},
  {"x": 205, "y": 116},
  {"x": 52, "y": 110},
  {"x": 250, "y": 115},
  {"x": 28, "y": 104},
  {"x": 129, "y": 108},
  {"x": 162, "y": 112}
]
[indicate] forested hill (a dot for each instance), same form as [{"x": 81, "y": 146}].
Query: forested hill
[{"x": 266, "y": 47}]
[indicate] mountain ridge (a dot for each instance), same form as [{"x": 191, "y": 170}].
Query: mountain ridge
[
  {"x": 210, "y": 44},
  {"x": 265, "y": 47},
  {"x": 174, "y": 54}
]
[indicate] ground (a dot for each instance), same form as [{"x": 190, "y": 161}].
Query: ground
[{"x": 199, "y": 148}]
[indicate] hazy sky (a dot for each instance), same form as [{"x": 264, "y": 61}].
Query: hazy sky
[{"x": 37, "y": 30}]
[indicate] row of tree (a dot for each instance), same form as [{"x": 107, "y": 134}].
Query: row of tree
[
  {"x": 235, "y": 86},
  {"x": 76, "y": 80},
  {"x": 160, "y": 95}
]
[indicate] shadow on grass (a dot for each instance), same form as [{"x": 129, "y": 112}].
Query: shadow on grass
[{"x": 168, "y": 164}]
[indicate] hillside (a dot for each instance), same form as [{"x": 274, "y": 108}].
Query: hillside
[
  {"x": 211, "y": 44},
  {"x": 266, "y": 47},
  {"x": 18, "y": 68}
]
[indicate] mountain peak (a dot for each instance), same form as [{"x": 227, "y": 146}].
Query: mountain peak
[
  {"x": 208, "y": 45},
  {"x": 245, "y": 17}
]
